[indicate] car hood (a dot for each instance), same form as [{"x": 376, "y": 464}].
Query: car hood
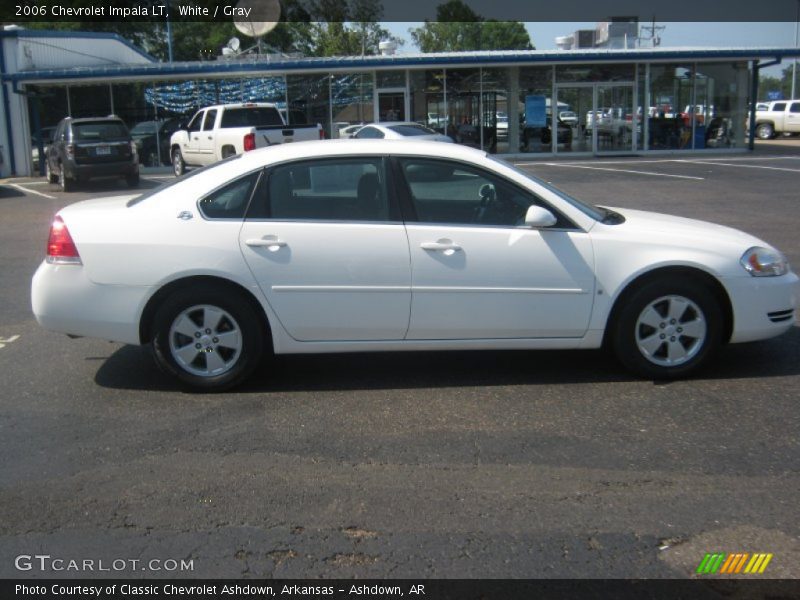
[{"x": 687, "y": 233}]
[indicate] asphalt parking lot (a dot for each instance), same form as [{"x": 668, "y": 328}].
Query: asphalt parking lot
[{"x": 479, "y": 464}]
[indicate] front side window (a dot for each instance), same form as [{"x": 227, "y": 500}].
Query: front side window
[
  {"x": 194, "y": 124},
  {"x": 779, "y": 106},
  {"x": 347, "y": 189},
  {"x": 229, "y": 201},
  {"x": 454, "y": 193}
]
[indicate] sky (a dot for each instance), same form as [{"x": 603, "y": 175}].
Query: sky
[{"x": 718, "y": 35}]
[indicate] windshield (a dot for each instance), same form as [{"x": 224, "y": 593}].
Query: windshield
[
  {"x": 594, "y": 212},
  {"x": 411, "y": 129},
  {"x": 95, "y": 131}
]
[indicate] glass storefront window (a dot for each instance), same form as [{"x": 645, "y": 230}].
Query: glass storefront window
[
  {"x": 390, "y": 79},
  {"x": 427, "y": 99},
  {"x": 720, "y": 105},
  {"x": 90, "y": 100},
  {"x": 494, "y": 105},
  {"x": 533, "y": 114},
  {"x": 670, "y": 114},
  {"x": 594, "y": 73},
  {"x": 352, "y": 100},
  {"x": 464, "y": 108},
  {"x": 309, "y": 99}
]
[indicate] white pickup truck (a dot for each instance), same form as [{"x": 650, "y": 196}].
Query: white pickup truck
[
  {"x": 778, "y": 116},
  {"x": 217, "y": 132}
]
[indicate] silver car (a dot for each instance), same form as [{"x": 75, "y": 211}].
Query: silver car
[{"x": 398, "y": 130}]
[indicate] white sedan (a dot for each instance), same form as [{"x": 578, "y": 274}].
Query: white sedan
[
  {"x": 380, "y": 245},
  {"x": 399, "y": 130}
]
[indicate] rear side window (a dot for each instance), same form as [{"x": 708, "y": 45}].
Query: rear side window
[
  {"x": 369, "y": 133},
  {"x": 229, "y": 201},
  {"x": 411, "y": 130},
  {"x": 795, "y": 108},
  {"x": 98, "y": 131},
  {"x": 251, "y": 116},
  {"x": 347, "y": 189}
]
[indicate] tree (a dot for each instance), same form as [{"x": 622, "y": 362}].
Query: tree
[{"x": 459, "y": 28}]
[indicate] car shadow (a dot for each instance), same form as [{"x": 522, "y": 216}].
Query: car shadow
[
  {"x": 132, "y": 368},
  {"x": 9, "y": 192}
]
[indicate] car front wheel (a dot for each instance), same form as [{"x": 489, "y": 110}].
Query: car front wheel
[
  {"x": 668, "y": 328},
  {"x": 209, "y": 339}
]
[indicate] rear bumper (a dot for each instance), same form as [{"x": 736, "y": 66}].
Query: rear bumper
[
  {"x": 127, "y": 168},
  {"x": 763, "y": 307},
  {"x": 63, "y": 299}
]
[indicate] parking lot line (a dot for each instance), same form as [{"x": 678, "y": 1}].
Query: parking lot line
[
  {"x": 623, "y": 171},
  {"x": 26, "y": 191},
  {"x": 738, "y": 165}
]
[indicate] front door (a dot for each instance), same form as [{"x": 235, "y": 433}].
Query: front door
[
  {"x": 390, "y": 104},
  {"x": 477, "y": 272},
  {"x": 329, "y": 250}
]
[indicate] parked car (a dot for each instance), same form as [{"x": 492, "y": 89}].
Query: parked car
[
  {"x": 350, "y": 130},
  {"x": 569, "y": 117},
  {"x": 502, "y": 125},
  {"x": 540, "y": 138},
  {"x": 397, "y": 130},
  {"x": 780, "y": 116},
  {"x": 152, "y": 148},
  {"x": 87, "y": 148},
  {"x": 221, "y": 131},
  {"x": 320, "y": 247}
]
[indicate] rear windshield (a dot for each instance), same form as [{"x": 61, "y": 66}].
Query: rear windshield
[
  {"x": 251, "y": 116},
  {"x": 411, "y": 129},
  {"x": 90, "y": 131}
]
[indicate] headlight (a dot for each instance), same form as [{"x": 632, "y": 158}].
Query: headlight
[{"x": 764, "y": 262}]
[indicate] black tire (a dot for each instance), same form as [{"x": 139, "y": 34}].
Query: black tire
[
  {"x": 631, "y": 336},
  {"x": 171, "y": 348},
  {"x": 67, "y": 184},
  {"x": 132, "y": 180},
  {"x": 178, "y": 166},
  {"x": 765, "y": 131},
  {"x": 48, "y": 173}
]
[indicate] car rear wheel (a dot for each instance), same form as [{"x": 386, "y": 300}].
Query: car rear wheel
[
  {"x": 765, "y": 131},
  {"x": 67, "y": 184},
  {"x": 132, "y": 180},
  {"x": 178, "y": 166},
  {"x": 668, "y": 328},
  {"x": 48, "y": 173},
  {"x": 209, "y": 339}
]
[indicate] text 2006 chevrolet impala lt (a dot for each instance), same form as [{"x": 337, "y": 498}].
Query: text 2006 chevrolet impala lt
[{"x": 398, "y": 245}]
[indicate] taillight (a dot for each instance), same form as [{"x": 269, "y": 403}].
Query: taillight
[
  {"x": 321, "y": 134},
  {"x": 249, "y": 142},
  {"x": 61, "y": 249},
  {"x": 133, "y": 147}
]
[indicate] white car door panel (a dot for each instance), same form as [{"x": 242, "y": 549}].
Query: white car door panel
[
  {"x": 332, "y": 264},
  {"x": 499, "y": 283}
]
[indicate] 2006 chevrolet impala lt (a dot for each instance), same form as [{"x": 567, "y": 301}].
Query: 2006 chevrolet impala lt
[{"x": 398, "y": 245}]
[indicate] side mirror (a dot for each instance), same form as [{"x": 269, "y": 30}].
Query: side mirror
[{"x": 538, "y": 217}]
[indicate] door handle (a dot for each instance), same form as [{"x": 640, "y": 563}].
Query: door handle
[
  {"x": 210, "y": 137},
  {"x": 265, "y": 243},
  {"x": 441, "y": 245}
]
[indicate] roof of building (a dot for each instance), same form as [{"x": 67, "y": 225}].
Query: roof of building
[{"x": 279, "y": 65}]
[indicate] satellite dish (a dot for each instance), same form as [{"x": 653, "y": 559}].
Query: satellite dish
[
  {"x": 234, "y": 44},
  {"x": 262, "y": 17}
]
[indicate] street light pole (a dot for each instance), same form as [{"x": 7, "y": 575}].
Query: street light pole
[{"x": 794, "y": 64}]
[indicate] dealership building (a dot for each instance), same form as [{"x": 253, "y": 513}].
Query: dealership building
[{"x": 599, "y": 101}]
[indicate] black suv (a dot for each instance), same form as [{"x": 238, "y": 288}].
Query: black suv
[{"x": 91, "y": 147}]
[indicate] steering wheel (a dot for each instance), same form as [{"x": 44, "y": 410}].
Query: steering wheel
[{"x": 487, "y": 194}]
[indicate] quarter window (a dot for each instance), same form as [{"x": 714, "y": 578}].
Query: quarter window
[
  {"x": 349, "y": 189},
  {"x": 230, "y": 201},
  {"x": 795, "y": 108},
  {"x": 445, "y": 192}
]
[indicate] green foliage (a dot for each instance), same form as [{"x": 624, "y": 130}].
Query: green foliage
[
  {"x": 458, "y": 28},
  {"x": 769, "y": 83}
]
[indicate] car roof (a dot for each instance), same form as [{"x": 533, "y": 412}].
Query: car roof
[{"x": 342, "y": 147}]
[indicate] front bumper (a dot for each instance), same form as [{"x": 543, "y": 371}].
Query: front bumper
[
  {"x": 63, "y": 299},
  {"x": 763, "y": 307}
]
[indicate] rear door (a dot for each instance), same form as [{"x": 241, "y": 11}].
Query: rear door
[{"x": 326, "y": 244}]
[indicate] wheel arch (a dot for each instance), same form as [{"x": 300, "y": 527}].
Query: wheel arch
[
  {"x": 685, "y": 273},
  {"x": 151, "y": 307}
]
